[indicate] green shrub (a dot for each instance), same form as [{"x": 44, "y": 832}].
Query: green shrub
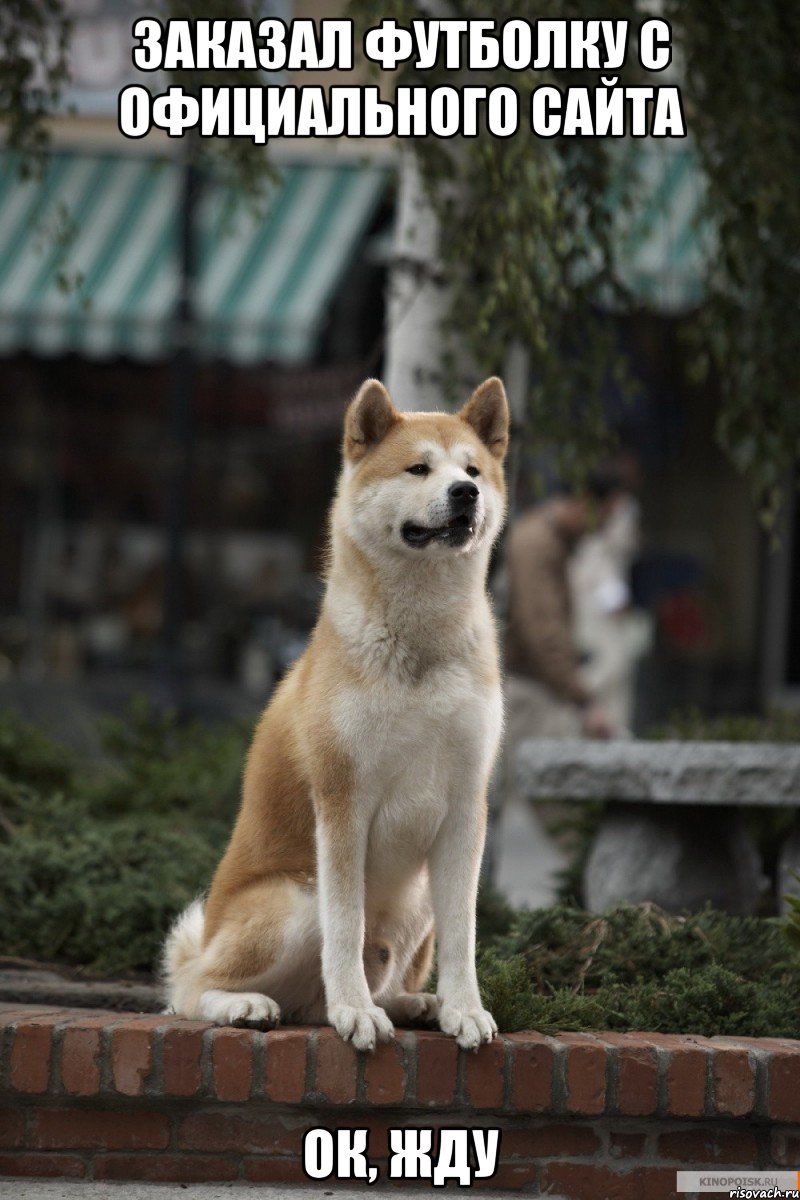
[
  {"x": 30, "y": 756},
  {"x": 100, "y": 894},
  {"x": 692, "y": 725},
  {"x": 637, "y": 968},
  {"x": 95, "y": 863},
  {"x": 160, "y": 765}
]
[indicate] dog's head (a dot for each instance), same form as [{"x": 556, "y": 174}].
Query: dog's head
[{"x": 427, "y": 484}]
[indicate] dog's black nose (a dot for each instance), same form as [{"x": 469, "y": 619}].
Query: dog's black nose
[{"x": 462, "y": 494}]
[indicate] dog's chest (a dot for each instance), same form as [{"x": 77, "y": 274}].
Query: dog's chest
[
  {"x": 415, "y": 751},
  {"x": 392, "y": 731}
]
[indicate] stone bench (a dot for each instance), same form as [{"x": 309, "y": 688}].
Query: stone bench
[{"x": 672, "y": 831}]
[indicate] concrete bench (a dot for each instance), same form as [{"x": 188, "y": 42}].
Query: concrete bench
[{"x": 672, "y": 832}]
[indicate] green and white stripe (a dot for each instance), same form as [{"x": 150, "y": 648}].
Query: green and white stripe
[
  {"x": 265, "y": 281},
  {"x": 663, "y": 244}
]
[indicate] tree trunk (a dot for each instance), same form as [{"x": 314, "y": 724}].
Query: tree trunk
[{"x": 418, "y": 298}]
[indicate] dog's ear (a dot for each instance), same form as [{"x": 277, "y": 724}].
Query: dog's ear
[
  {"x": 369, "y": 418},
  {"x": 487, "y": 412}
]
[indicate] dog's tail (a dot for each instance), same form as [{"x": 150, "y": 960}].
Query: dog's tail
[{"x": 180, "y": 959}]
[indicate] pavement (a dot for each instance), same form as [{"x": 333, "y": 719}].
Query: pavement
[{"x": 526, "y": 857}]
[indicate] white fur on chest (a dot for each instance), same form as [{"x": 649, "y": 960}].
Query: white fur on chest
[{"x": 416, "y": 750}]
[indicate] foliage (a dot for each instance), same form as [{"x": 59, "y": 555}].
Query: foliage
[
  {"x": 526, "y": 242},
  {"x": 99, "y": 894},
  {"x": 517, "y": 215},
  {"x": 637, "y": 968},
  {"x": 167, "y": 767},
  {"x": 692, "y": 725},
  {"x": 26, "y": 753},
  {"x": 34, "y": 40},
  {"x": 236, "y": 160},
  {"x": 792, "y": 923},
  {"x": 96, "y": 861},
  {"x": 741, "y": 65}
]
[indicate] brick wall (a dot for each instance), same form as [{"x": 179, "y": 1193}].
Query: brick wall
[{"x": 104, "y": 1095}]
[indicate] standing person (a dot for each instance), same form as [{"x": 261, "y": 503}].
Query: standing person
[
  {"x": 546, "y": 695},
  {"x": 612, "y": 634}
]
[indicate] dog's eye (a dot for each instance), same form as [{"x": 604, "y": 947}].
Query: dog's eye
[
  {"x": 419, "y": 469},
  {"x": 472, "y": 471}
]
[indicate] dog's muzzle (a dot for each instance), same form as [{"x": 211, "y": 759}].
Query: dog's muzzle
[{"x": 462, "y": 498}]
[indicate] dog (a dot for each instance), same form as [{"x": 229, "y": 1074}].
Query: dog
[{"x": 363, "y": 812}]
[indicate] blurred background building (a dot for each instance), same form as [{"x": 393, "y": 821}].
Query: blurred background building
[{"x": 123, "y": 458}]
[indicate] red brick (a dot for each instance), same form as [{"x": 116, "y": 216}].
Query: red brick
[
  {"x": 550, "y": 1141},
  {"x": 12, "y": 1128},
  {"x": 784, "y": 1085},
  {"x": 532, "y": 1059},
  {"x": 687, "y": 1072},
  {"x": 626, "y": 1145},
  {"x": 131, "y": 1059},
  {"x": 232, "y": 1063},
  {"x": 437, "y": 1061},
  {"x": 658, "y": 1183},
  {"x": 585, "y": 1074},
  {"x": 751, "y": 1043},
  {"x": 166, "y": 1168},
  {"x": 484, "y": 1072},
  {"x": 637, "y": 1074},
  {"x": 581, "y": 1181},
  {"x": 80, "y": 1061},
  {"x": 385, "y": 1073},
  {"x": 182, "y": 1048},
  {"x": 734, "y": 1083},
  {"x": 219, "y": 1132},
  {"x": 73, "y": 1129},
  {"x": 274, "y": 1170},
  {"x": 709, "y": 1147},
  {"x": 285, "y": 1079},
  {"x": 337, "y": 1067},
  {"x": 31, "y": 1053},
  {"x": 42, "y": 1166}
]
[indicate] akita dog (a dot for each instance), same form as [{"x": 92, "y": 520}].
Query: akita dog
[{"x": 363, "y": 814}]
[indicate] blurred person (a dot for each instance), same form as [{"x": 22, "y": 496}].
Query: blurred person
[
  {"x": 611, "y": 634},
  {"x": 547, "y": 695}
]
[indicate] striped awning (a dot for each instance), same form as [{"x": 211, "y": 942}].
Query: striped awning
[
  {"x": 89, "y": 258},
  {"x": 662, "y": 242}
]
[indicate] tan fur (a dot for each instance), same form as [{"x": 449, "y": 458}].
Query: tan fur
[
  {"x": 304, "y": 772},
  {"x": 417, "y": 974}
]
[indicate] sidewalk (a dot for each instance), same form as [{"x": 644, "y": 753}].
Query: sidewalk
[{"x": 527, "y": 858}]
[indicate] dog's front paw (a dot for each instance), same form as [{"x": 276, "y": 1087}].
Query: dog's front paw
[
  {"x": 361, "y": 1026},
  {"x": 468, "y": 1025}
]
